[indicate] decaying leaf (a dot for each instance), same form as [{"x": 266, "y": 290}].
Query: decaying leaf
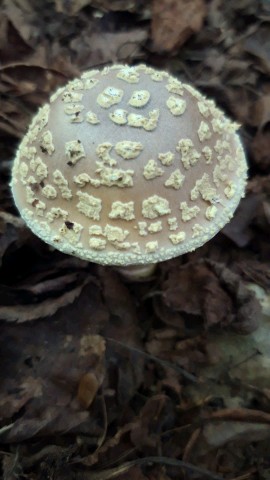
[
  {"x": 174, "y": 21},
  {"x": 213, "y": 291}
]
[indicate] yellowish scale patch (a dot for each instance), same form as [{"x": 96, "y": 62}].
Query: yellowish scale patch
[
  {"x": 114, "y": 177},
  {"x": 128, "y": 150},
  {"x": 219, "y": 175},
  {"x": 97, "y": 243},
  {"x": 218, "y": 125},
  {"x": 136, "y": 120},
  {"x": 177, "y": 106},
  {"x": 62, "y": 184},
  {"x": 142, "y": 228},
  {"x": 177, "y": 238},
  {"x": 197, "y": 230},
  {"x": 57, "y": 94},
  {"x": 115, "y": 234},
  {"x": 148, "y": 123},
  {"x": 82, "y": 179},
  {"x": 172, "y": 223},
  {"x": 122, "y": 245},
  {"x": 40, "y": 207},
  {"x": 49, "y": 192},
  {"x": 103, "y": 151},
  {"x": 46, "y": 143},
  {"x": 74, "y": 151},
  {"x": 151, "y": 247},
  {"x": 71, "y": 97},
  {"x": 230, "y": 190},
  {"x": 55, "y": 213},
  {"x": 73, "y": 108},
  {"x": 92, "y": 118},
  {"x": 155, "y": 227},
  {"x": 31, "y": 180},
  {"x": 167, "y": 158},
  {"x": 152, "y": 120},
  {"x": 204, "y": 132},
  {"x": 228, "y": 162},
  {"x": 89, "y": 205},
  {"x": 110, "y": 96},
  {"x": 221, "y": 146},
  {"x": 23, "y": 171},
  {"x": 158, "y": 76},
  {"x": 95, "y": 230},
  {"x": 28, "y": 152},
  {"x": 30, "y": 195},
  {"x": 188, "y": 212},
  {"x": 90, "y": 83},
  {"x": 155, "y": 206},
  {"x": 119, "y": 116},
  {"x": 203, "y": 109},
  {"x": 90, "y": 74},
  {"x": 189, "y": 156},
  {"x": 204, "y": 188},
  {"x": 129, "y": 75},
  {"x": 123, "y": 210},
  {"x": 76, "y": 84},
  {"x": 152, "y": 170},
  {"x": 139, "y": 98},
  {"x": 40, "y": 120},
  {"x": 175, "y": 86},
  {"x": 33, "y": 200},
  {"x": 211, "y": 212},
  {"x": 208, "y": 154},
  {"x": 71, "y": 231},
  {"x": 175, "y": 180}
]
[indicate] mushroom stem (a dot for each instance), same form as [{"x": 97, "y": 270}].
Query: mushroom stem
[{"x": 137, "y": 273}]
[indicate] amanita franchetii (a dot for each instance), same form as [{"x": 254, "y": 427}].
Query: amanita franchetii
[{"x": 128, "y": 166}]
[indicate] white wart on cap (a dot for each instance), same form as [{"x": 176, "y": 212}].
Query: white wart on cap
[{"x": 128, "y": 165}]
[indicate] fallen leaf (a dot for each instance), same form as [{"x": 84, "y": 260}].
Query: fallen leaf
[{"x": 174, "y": 21}]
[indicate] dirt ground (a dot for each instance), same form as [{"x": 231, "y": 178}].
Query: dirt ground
[{"x": 166, "y": 379}]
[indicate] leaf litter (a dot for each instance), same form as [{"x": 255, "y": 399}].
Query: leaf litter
[{"x": 165, "y": 379}]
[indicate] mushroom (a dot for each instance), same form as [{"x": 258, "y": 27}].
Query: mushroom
[{"x": 128, "y": 166}]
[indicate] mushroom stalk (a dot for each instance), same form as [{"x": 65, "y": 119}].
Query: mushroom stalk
[{"x": 137, "y": 273}]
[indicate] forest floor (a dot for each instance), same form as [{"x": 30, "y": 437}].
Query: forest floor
[{"x": 165, "y": 379}]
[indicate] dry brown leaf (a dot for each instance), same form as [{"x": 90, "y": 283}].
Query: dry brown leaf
[
  {"x": 26, "y": 313},
  {"x": 239, "y": 228},
  {"x": 258, "y": 45},
  {"x": 213, "y": 291},
  {"x": 98, "y": 47},
  {"x": 174, "y": 21},
  {"x": 44, "y": 366},
  {"x": 261, "y": 112},
  {"x": 260, "y": 148},
  {"x": 87, "y": 389}
]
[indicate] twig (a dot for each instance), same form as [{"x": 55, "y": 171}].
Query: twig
[{"x": 114, "y": 472}]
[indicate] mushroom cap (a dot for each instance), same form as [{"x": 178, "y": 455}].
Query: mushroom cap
[{"x": 128, "y": 165}]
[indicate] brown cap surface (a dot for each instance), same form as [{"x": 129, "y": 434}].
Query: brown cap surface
[{"x": 128, "y": 165}]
